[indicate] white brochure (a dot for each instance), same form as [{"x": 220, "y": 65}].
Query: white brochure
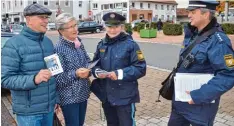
[
  {"x": 53, "y": 64},
  {"x": 189, "y": 82}
]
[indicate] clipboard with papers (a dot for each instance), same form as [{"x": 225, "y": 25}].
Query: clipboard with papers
[{"x": 189, "y": 82}]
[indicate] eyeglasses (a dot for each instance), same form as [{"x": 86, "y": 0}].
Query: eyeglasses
[
  {"x": 43, "y": 17},
  {"x": 70, "y": 27}
]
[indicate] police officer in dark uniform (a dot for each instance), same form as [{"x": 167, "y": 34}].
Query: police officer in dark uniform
[
  {"x": 121, "y": 63},
  {"x": 213, "y": 55}
]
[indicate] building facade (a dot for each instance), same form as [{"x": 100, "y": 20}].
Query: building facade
[
  {"x": 12, "y": 10},
  {"x": 152, "y": 10}
]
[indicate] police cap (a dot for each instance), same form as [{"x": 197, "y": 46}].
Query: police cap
[
  {"x": 113, "y": 19},
  {"x": 208, "y": 4},
  {"x": 36, "y": 9}
]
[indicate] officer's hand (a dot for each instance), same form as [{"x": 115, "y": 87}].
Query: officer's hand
[
  {"x": 82, "y": 72},
  {"x": 102, "y": 76},
  {"x": 43, "y": 75},
  {"x": 191, "y": 101},
  {"x": 112, "y": 76}
]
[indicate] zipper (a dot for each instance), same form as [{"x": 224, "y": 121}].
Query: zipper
[
  {"x": 43, "y": 55},
  {"x": 29, "y": 99}
]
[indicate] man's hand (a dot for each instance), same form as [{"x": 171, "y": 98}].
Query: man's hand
[
  {"x": 112, "y": 76},
  {"x": 191, "y": 101},
  {"x": 56, "y": 107},
  {"x": 82, "y": 72},
  {"x": 43, "y": 75}
]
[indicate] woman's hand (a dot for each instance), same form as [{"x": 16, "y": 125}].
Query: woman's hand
[{"x": 82, "y": 72}]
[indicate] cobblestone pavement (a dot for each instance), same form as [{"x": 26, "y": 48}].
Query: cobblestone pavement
[{"x": 151, "y": 113}]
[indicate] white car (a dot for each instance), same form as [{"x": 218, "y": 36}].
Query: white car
[{"x": 51, "y": 26}]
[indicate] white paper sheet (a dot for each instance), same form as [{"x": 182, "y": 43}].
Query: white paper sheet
[
  {"x": 53, "y": 64},
  {"x": 189, "y": 82}
]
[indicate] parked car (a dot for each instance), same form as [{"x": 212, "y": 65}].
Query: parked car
[
  {"x": 138, "y": 21},
  {"x": 5, "y": 28},
  {"x": 4, "y": 37},
  {"x": 51, "y": 26},
  {"x": 16, "y": 28},
  {"x": 90, "y": 26}
]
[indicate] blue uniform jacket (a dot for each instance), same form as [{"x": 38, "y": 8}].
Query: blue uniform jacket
[
  {"x": 115, "y": 54},
  {"x": 213, "y": 55},
  {"x": 22, "y": 58}
]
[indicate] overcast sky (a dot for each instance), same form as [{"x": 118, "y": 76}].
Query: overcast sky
[{"x": 182, "y": 3}]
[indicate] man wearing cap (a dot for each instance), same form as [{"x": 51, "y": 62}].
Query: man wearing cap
[
  {"x": 121, "y": 64},
  {"x": 24, "y": 71},
  {"x": 212, "y": 55}
]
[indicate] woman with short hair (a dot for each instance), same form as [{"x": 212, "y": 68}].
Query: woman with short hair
[{"x": 73, "y": 83}]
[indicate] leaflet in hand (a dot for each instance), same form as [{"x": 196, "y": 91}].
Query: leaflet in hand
[
  {"x": 101, "y": 72},
  {"x": 93, "y": 64},
  {"x": 189, "y": 82},
  {"x": 53, "y": 64}
]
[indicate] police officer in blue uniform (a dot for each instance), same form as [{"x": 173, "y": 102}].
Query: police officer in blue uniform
[
  {"x": 213, "y": 55},
  {"x": 123, "y": 62}
]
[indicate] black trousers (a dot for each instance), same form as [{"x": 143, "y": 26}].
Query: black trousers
[{"x": 123, "y": 115}]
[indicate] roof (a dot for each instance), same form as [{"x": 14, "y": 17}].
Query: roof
[
  {"x": 181, "y": 12},
  {"x": 157, "y": 1}
]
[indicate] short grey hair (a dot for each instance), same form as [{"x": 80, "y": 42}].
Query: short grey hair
[
  {"x": 63, "y": 19},
  {"x": 212, "y": 12}
]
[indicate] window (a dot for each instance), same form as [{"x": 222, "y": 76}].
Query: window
[
  {"x": 111, "y": 6},
  {"x": 15, "y": 3},
  {"x": 141, "y": 5},
  {"x": 173, "y": 18},
  {"x": 168, "y": 17},
  {"x": 173, "y": 8},
  {"x": 148, "y": 5},
  {"x": 162, "y": 8},
  {"x": 106, "y": 6},
  {"x": 67, "y": 3},
  {"x": 86, "y": 24},
  {"x": 95, "y": 5},
  {"x": 156, "y": 17},
  {"x": 162, "y": 17},
  {"x": 125, "y": 5},
  {"x": 92, "y": 24},
  {"x": 102, "y": 7},
  {"x": 168, "y": 7},
  {"x": 80, "y": 16},
  {"x": 156, "y": 6},
  {"x": 133, "y": 4},
  {"x": 3, "y": 5},
  {"x": 21, "y": 2},
  {"x": 80, "y": 3},
  {"x": 9, "y": 5},
  {"x": 46, "y": 2},
  {"x": 34, "y": 1},
  {"x": 57, "y": 2}
]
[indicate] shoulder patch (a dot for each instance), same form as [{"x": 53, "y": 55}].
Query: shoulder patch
[
  {"x": 140, "y": 55},
  {"x": 229, "y": 60}
]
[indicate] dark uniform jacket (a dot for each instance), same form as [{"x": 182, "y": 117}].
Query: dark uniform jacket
[
  {"x": 117, "y": 53},
  {"x": 214, "y": 55}
]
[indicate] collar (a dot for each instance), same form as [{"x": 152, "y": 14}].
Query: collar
[
  {"x": 66, "y": 41},
  {"x": 121, "y": 37},
  {"x": 28, "y": 32},
  {"x": 213, "y": 23}
]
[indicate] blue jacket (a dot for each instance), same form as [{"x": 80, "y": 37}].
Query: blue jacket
[
  {"x": 22, "y": 58},
  {"x": 214, "y": 55},
  {"x": 120, "y": 53},
  {"x": 71, "y": 89}
]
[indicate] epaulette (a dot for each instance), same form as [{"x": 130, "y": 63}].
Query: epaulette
[{"x": 219, "y": 37}]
